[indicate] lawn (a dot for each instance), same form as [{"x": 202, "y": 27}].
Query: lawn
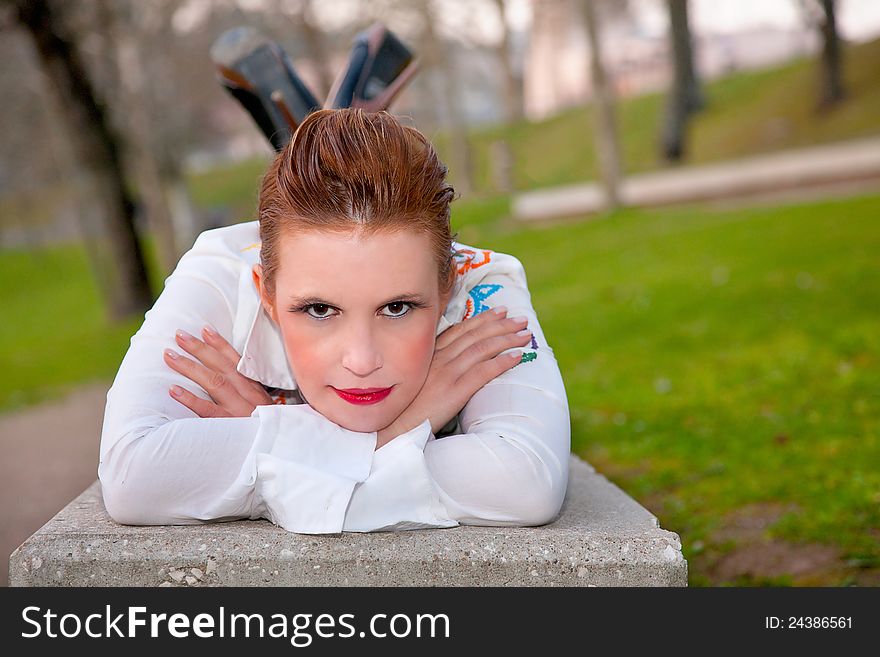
[
  {"x": 721, "y": 366},
  {"x": 747, "y": 113}
]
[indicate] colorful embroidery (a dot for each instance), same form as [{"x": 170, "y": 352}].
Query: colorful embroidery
[
  {"x": 280, "y": 398},
  {"x": 255, "y": 245},
  {"x": 529, "y": 356},
  {"x": 468, "y": 259},
  {"x": 474, "y": 304}
]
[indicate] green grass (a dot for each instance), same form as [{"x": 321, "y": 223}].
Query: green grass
[
  {"x": 713, "y": 358},
  {"x": 716, "y": 359},
  {"x": 55, "y": 334},
  {"x": 234, "y": 187},
  {"x": 58, "y": 335}
]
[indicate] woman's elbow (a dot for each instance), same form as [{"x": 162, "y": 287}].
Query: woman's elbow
[
  {"x": 538, "y": 503},
  {"x": 125, "y": 505},
  {"x": 122, "y": 507},
  {"x": 128, "y": 490}
]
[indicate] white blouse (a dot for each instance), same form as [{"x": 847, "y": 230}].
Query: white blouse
[{"x": 504, "y": 462}]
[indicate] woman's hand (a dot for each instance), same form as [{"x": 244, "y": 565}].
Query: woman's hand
[
  {"x": 466, "y": 357},
  {"x": 233, "y": 394}
]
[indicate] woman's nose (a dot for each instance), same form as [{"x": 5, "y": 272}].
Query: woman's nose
[{"x": 361, "y": 355}]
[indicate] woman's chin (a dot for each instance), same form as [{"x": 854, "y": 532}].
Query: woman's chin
[
  {"x": 361, "y": 422},
  {"x": 363, "y": 427}
]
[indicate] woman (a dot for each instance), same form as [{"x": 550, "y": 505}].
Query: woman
[{"x": 372, "y": 331}]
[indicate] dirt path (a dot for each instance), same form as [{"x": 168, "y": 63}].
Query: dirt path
[{"x": 51, "y": 456}]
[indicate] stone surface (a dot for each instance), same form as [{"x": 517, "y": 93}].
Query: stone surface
[
  {"x": 602, "y": 537},
  {"x": 854, "y": 165}
]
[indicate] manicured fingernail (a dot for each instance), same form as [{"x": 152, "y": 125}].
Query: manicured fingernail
[
  {"x": 517, "y": 354},
  {"x": 176, "y": 391},
  {"x": 499, "y": 310},
  {"x": 183, "y": 335},
  {"x": 524, "y": 333},
  {"x": 209, "y": 331},
  {"x": 521, "y": 318},
  {"x": 171, "y": 354}
]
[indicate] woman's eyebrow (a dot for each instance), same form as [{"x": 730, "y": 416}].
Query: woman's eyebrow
[{"x": 413, "y": 297}]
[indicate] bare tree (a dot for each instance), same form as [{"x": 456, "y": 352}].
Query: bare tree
[
  {"x": 314, "y": 37},
  {"x": 821, "y": 16},
  {"x": 122, "y": 26},
  {"x": 97, "y": 149},
  {"x": 513, "y": 93},
  {"x": 449, "y": 97},
  {"x": 301, "y": 15},
  {"x": 605, "y": 125},
  {"x": 831, "y": 87},
  {"x": 685, "y": 96}
]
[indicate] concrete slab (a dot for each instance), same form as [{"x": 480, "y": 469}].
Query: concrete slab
[
  {"x": 803, "y": 169},
  {"x": 50, "y": 453},
  {"x": 602, "y": 537}
]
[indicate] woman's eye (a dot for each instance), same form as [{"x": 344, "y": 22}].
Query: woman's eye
[
  {"x": 397, "y": 309},
  {"x": 319, "y": 310}
]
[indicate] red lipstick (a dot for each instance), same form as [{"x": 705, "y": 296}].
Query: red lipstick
[{"x": 363, "y": 395}]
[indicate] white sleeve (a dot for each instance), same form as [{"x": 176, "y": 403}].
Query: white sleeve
[
  {"x": 509, "y": 466},
  {"x": 162, "y": 464}
]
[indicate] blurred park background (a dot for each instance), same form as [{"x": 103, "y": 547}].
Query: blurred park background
[{"x": 720, "y": 352}]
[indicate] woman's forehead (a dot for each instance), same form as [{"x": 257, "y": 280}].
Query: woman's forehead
[{"x": 356, "y": 265}]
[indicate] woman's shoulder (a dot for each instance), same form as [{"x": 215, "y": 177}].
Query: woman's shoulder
[
  {"x": 473, "y": 264},
  {"x": 239, "y": 241},
  {"x": 481, "y": 274}
]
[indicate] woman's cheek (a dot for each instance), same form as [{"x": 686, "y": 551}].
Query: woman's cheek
[
  {"x": 304, "y": 356},
  {"x": 418, "y": 352}
]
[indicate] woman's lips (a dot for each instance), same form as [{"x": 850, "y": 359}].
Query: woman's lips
[{"x": 363, "y": 395}]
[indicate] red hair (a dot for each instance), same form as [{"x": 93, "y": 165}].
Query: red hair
[{"x": 348, "y": 169}]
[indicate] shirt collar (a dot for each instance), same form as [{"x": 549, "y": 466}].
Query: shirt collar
[{"x": 263, "y": 357}]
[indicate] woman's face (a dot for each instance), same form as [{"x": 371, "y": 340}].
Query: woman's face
[{"x": 358, "y": 316}]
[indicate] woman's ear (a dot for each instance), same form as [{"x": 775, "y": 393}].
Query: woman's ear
[{"x": 265, "y": 299}]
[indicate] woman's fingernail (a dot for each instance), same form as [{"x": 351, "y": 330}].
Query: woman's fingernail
[
  {"x": 524, "y": 333},
  {"x": 176, "y": 391},
  {"x": 517, "y": 354},
  {"x": 183, "y": 335},
  {"x": 171, "y": 354},
  {"x": 209, "y": 330},
  {"x": 499, "y": 310},
  {"x": 521, "y": 318}
]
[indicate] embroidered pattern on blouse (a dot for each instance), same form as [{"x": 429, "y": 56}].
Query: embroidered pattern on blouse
[
  {"x": 282, "y": 396},
  {"x": 474, "y": 304},
  {"x": 468, "y": 259},
  {"x": 529, "y": 356}
]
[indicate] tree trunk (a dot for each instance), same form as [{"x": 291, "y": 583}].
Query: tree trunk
[
  {"x": 513, "y": 95},
  {"x": 604, "y": 124},
  {"x": 97, "y": 149},
  {"x": 685, "y": 97},
  {"x": 132, "y": 93},
  {"x": 317, "y": 48},
  {"x": 831, "y": 86},
  {"x": 450, "y": 99}
]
